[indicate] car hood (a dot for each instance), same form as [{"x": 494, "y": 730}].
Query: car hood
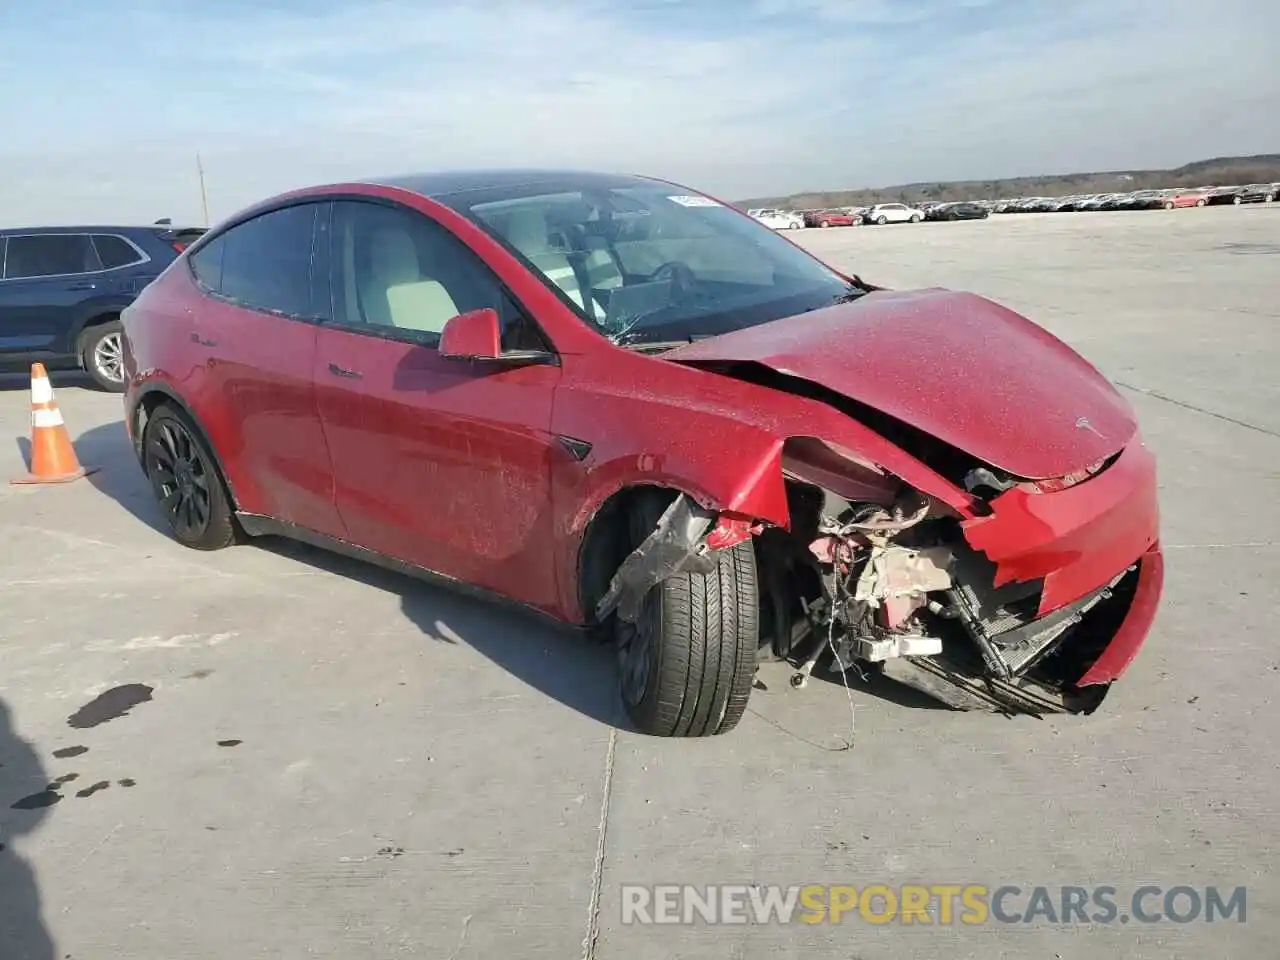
[{"x": 957, "y": 366}]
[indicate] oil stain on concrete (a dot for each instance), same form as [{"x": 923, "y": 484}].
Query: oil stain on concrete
[
  {"x": 110, "y": 705},
  {"x": 37, "y": 801}
]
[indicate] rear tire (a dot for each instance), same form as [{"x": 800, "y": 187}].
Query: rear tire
[
  {"x": 1168, "y": 205},
  {"x": 183, "y": 471},
  {"x": 687, "y": 665},
  {"x": 102, "y": 355}
]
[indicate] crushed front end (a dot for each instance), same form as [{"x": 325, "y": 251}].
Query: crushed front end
[{"x": 1028, "y": 597}]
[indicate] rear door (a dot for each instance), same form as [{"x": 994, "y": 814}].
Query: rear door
[
  {"x": 444, "y": 464},
  {"x": 45, "y": 280},
  {"x": 254, "y": 337}
]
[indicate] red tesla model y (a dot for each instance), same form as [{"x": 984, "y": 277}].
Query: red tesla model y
[{"x": 629, "y": 407}]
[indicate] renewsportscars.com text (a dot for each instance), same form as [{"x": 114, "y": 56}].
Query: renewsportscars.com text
[{"x": 933, "y": 904}]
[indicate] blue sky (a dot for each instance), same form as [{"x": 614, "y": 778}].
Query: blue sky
[{"x": 107, "y": 103}]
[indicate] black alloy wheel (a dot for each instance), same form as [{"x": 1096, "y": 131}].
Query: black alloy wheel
[{"x": 186, "y": 482}]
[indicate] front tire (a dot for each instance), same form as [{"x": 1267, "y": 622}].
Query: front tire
[
  {"x": 687, "y": 664},
  {"x": 1200, "y": 202},
  {"x": 1168, "y": 205},
  {"x": 102, "y": 355},
  {"x": 186, "y": 481},
  {"x": 882, "y": 220}
]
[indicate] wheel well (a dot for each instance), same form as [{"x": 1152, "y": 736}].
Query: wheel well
[
  {"x": 94, "y": 321},
  {"x": 147, "y": 405},
  {"x": 607, "y": 542}
]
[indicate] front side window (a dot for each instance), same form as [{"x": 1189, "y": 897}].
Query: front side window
[
  {"x": 645, "y": 262},
  {"x": 50, "y": 255},
  {"x": 264, "y": 263},
  {"x": 396, "y": 272}
]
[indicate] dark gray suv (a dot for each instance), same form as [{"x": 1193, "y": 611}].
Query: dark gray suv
[{"x": 62, "y": 290}]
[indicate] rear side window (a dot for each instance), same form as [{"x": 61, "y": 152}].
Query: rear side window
[
  {"x": 115, "y": 251},
  {"x": 49, "y": 255},
  {"x": 263, "y": 263},
  {"x": 206, "y": 264}
]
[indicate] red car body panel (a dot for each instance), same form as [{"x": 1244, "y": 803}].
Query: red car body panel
[
  {"x": 443, "y": 465},
  {"x": 1127, "y": 641},
  {"x": 1075, "y": 539},
  {"x": 256, "y": 405},
  {"x": 1014, "y": 406},
  {"x": 461, "y": 469}
]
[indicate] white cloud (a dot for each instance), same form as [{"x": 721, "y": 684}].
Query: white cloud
[{"x": 818, "y": 94}]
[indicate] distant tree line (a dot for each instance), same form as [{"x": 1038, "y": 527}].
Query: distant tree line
[{"x": 1222, "y": 171}]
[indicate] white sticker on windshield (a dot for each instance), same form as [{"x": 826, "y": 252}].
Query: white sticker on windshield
[{"x": 694, "y": 201}]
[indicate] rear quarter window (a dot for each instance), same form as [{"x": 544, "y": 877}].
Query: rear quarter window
[
  {"x": 206, "y": 264},
  {"x": 115, "y": 251}
]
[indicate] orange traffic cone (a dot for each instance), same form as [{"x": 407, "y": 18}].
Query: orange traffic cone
[{"x": 53, "y": 459}]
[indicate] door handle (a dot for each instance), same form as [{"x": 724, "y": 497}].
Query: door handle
[
  {"x": 82, "y": 286},
  {"x": 338, "y": 371},
  {"x": 196, "y": 338}
]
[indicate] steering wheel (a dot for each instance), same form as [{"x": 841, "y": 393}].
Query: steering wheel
[{"x": 683, "y": 280}]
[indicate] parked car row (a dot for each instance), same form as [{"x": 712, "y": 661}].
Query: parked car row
[
  {"x": 62, "y": 290},
  {"x": 1168, "y": 199},
  {"x": 878, "y": 214}
]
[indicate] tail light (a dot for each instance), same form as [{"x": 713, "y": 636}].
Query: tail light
[{"x": 179, "y": 246}]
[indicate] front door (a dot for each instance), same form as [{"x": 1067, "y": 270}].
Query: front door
[{"x": 444, "y": 464}]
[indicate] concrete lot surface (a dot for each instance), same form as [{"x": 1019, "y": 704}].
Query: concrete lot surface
[{"x": 338, "y": 762}]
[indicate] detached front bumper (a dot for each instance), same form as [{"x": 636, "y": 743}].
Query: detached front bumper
[
  {"x": 1075, "y": 541},
  {"x": 1128, "y": 639}
]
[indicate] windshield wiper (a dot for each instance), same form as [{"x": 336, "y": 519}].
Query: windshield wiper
[{"x": 853, "y": 293}]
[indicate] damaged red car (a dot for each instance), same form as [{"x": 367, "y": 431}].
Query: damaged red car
[{"x": 631, "y": 408}]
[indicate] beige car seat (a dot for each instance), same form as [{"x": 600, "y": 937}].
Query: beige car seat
[
  {"x": 527, "y": 231},
  {"x": 395, "y": 292}
]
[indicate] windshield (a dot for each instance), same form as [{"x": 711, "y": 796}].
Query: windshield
[{"x": 646, "y": 262}]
